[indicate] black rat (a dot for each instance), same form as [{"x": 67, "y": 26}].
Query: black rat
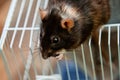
[{"x": 68, "y": 23}]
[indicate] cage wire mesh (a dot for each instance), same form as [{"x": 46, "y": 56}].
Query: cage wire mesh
[{"x": 19, "y": 48}]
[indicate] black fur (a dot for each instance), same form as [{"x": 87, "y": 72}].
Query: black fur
[{"x": 93, "y": 13}]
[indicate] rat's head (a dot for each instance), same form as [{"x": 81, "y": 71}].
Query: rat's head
[{"x": 59, "y": 31}]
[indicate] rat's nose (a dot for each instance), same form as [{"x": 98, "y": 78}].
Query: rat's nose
[
  {"x": 45, "y": 53},
  {"x": 44, "y": 56}
]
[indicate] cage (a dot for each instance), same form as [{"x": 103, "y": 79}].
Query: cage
[{"x": 19, "y": 48}]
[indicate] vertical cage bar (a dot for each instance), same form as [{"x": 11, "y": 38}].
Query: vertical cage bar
[
  {"x": 76, "y": 66},
  {"x": 118, "y": 43},
  {"x": 92, "y": 60},
  {"x": 100, "y": 53},
  {"x": 84, "y": 62},
  {"x": 110, "y": 56},
  {"x": 67, "y": 68}
]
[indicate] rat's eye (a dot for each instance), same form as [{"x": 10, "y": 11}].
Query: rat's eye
[{"x": 55, "y": 39}]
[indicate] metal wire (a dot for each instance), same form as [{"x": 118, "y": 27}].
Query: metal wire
[
  {"x": 118, "y": 44},
  {"x": 92, "y": 60},
  {"x": 67, "y": 68},
  {"x": 100, "y": 53},
  {"x": 84, "y": 62},
  {"x": 76, "y": 66},
  {"x": 110, "y": 56}
]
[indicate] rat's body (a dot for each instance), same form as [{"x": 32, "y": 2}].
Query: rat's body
[{"x": 68, "y": 23}]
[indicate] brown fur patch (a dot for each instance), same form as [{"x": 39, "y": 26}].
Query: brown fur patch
[{"x": 70, "y": 11}]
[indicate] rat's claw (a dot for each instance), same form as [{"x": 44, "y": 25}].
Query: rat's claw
[{"x": 59, "y": 57}]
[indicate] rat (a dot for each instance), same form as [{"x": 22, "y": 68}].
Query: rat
[{"x": 66, "y": 24}]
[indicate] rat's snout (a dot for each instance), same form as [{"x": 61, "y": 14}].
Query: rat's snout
[{"x": 46, "y": 53}]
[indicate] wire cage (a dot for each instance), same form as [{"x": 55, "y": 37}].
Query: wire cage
[{"x": 19, "y": 49}]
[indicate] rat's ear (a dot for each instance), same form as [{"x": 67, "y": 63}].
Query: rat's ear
[
  {"x": 67, "y": 24},
  {"x": 43, "y": 13}
]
